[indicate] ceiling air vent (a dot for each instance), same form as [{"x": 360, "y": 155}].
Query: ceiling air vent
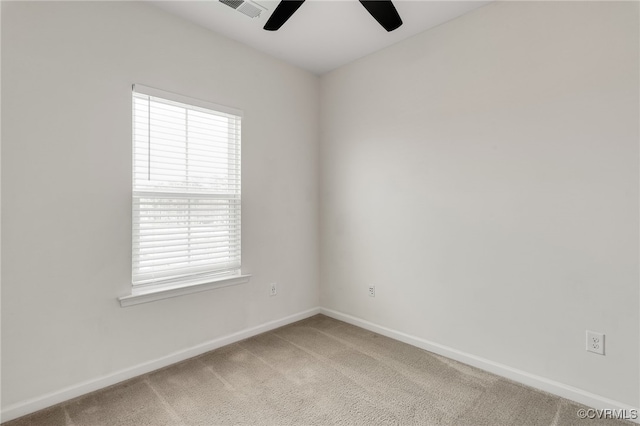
[{"x": 249, "y": 8}]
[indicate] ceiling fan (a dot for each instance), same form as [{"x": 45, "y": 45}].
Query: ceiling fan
[{"x": 382, "y": 10}]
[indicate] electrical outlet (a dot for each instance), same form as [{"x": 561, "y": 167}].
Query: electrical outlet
[
  {"x": 372, "y": 291},
  {"x": 273, "y": 290},
  {"x": 595, "y": 342}
]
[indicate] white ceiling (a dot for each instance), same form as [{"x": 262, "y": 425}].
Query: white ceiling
[{"x": 323, "y": 34}]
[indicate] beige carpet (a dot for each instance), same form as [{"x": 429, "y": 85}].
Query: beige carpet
[{"x": 319, "y": 371}]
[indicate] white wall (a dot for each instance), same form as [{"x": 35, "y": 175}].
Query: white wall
[
  {"x": 67, "y": 70},
  {"x": 484, "y": 177}
]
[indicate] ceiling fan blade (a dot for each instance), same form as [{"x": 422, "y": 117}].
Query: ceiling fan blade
[
  {"x": 283, "y": 12},
  {"x": 384, "y": 12}
]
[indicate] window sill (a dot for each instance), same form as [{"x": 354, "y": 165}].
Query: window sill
[{"x": 149, "y": 295}]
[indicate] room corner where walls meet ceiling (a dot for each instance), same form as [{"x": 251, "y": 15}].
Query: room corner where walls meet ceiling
[{"x": 322, "y": 35}]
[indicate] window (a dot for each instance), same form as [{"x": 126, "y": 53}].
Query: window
[{"x": 186, "y": 191}]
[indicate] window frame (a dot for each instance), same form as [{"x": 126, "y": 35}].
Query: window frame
[{"x": 161, "y": 288}]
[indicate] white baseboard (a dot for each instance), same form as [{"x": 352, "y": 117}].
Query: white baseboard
[
  {"x": 26, "y": 407},
  {"x": 556, "y": 388}
]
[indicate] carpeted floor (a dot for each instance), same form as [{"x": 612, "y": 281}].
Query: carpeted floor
[{"x": 318, "y": 371}]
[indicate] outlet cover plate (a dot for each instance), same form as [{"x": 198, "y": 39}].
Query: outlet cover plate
[
  {"x": 595, "y": 342},
  {"x": 372, "y": 291},
  {"x": 273, "y": 289}
]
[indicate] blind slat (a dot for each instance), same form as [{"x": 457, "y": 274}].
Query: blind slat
[
  {"x": 184, "y": 247},
  {"x": 147, "y": 234},
  {"x": 189, "y": 256},
  {"x": 176, "y": 241}
]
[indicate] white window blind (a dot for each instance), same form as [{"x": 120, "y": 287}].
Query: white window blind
[{"x": 186, "y": 189}]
